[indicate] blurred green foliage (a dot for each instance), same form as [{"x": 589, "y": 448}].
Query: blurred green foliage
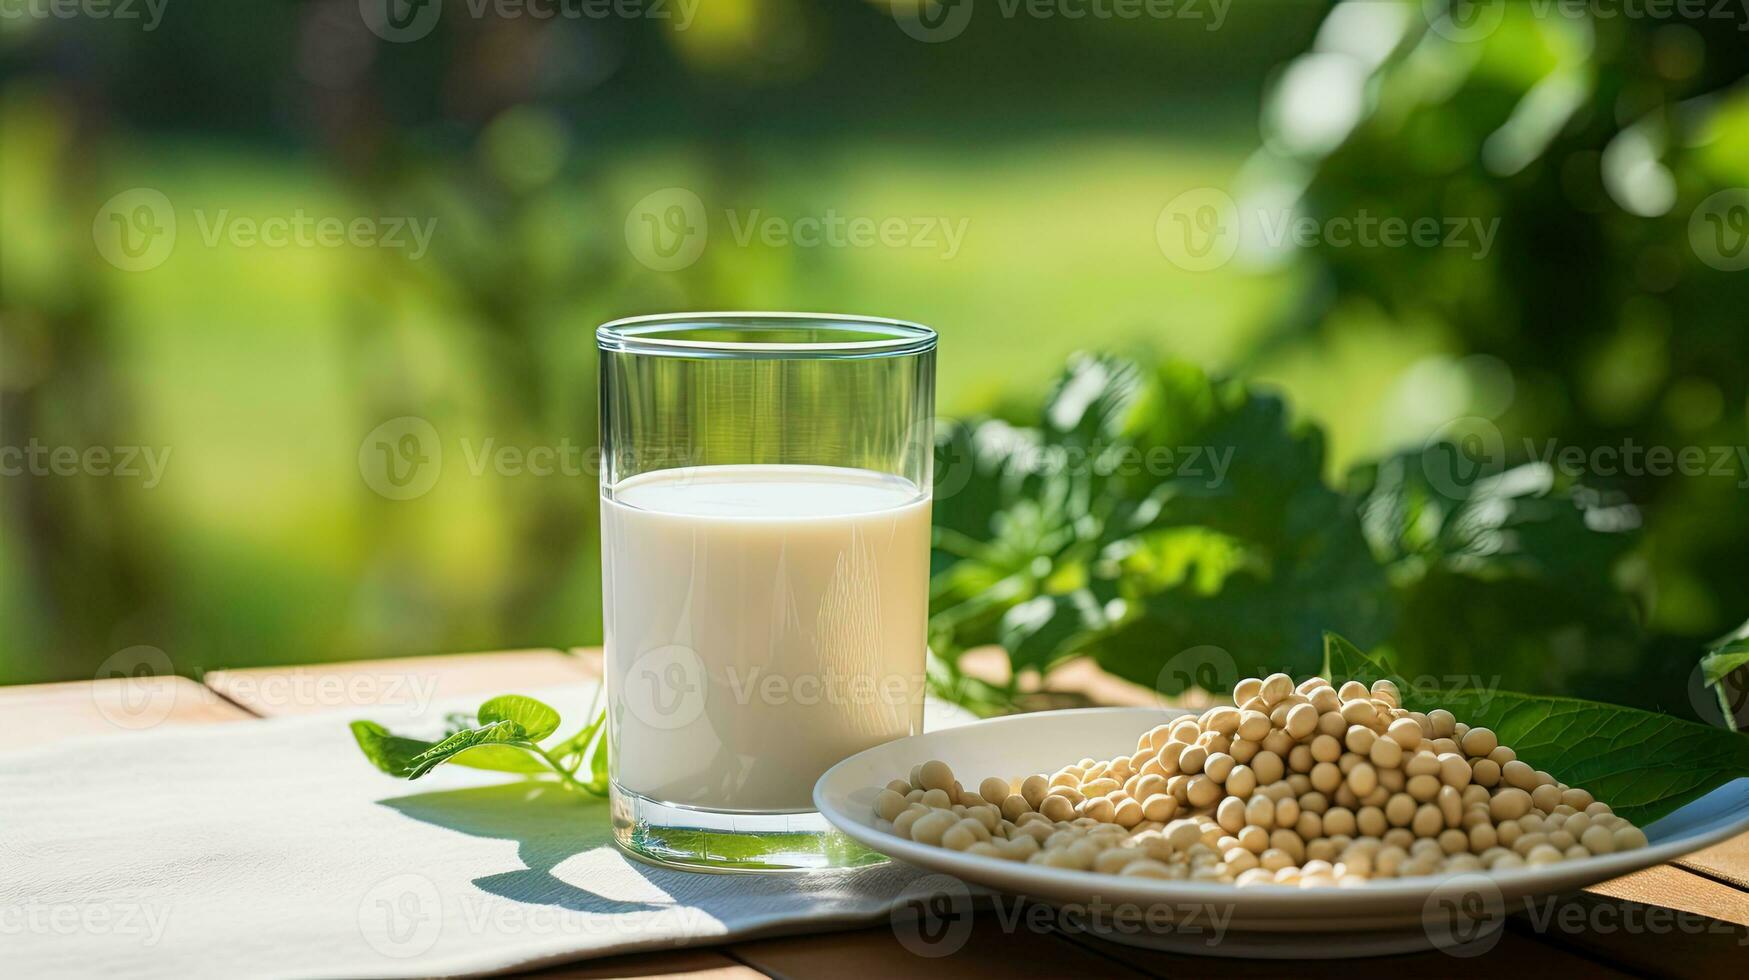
[
  {"x": 1155, "y": 512},
  {"x": 1604, "y": 318},
  {"x": 265, "y": 371}
]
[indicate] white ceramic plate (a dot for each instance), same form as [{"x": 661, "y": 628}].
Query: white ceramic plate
[{"x": 1386, "y": 916}]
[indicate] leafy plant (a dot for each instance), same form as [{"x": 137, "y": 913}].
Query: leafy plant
[
  {"x": 504, "y": 735},
  {"x": 1154, "y": 510},
  {"x": 1642, "y": 763}
]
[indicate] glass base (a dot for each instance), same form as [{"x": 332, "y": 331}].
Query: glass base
[{"x": 709, "y": 840}]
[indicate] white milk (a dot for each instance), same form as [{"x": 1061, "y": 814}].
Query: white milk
[{"x": 762, "y": 623}]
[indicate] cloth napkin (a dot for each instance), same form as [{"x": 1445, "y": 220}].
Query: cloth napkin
[{"x": 272, "y": 848}]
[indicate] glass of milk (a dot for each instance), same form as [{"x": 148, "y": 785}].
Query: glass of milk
[{"x": 765, "y": 496}]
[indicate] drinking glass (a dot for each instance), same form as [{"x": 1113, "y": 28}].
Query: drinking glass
[{"x": 765, "y": 499}]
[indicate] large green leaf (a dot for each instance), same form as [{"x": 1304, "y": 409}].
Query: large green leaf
[
  {"x": 393, "y": 754},
  {"x": 498, "y": 732},
  {"x": 536, "y": 719},
  {"x": 1642, "y": 763},
  {"x": 397, "y": 755}
]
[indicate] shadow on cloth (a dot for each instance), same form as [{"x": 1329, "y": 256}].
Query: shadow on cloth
[{"x": 549, "y": 825}]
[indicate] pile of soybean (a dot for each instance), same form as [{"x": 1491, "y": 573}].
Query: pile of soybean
[{"x": 1311, "y": 786}]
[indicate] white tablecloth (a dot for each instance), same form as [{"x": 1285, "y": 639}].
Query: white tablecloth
[{"x": 272, "y": 848}]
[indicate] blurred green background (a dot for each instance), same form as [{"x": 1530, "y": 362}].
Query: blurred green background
[{"x": 549, "y": 156}]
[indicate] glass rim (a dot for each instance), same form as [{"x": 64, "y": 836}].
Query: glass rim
[{"x": 643, "y": 335}]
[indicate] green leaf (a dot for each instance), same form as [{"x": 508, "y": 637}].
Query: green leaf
[
  {"x": 1151, "y": 511},
  {"x": 1343, "y": 661},
  {"x": 1495, "y": 575},
  {"x": 1717, "y": 665},
  {"x": 1044, "y": 629},
  {"x": 401, "y": 756},
  {"x": 536, "y": 719},
  {"x": 1643, "y": 764},
  {"x": 1726, "y": 671},
  {"x": 505, "y": 757},
  {"x": 496, "y": 732},
  {"x": 393, "y": 754}
]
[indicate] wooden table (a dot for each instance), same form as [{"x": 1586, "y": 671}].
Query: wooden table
[{"x": 1687, "y": 919}]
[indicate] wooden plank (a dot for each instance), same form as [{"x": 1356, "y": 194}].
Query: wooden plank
[
  {"x": 691, "y": 964},
  {"x": 1662, "y": 921},
  {"x": 299, "y": 689},
  {"x": 1680, "y": 890},
  {"x": 878, "y": 954},
  {"x": 40, "y": 714},
  {"x": 1513, "y": 955},
  {"x": 1728, "y": 862}
]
